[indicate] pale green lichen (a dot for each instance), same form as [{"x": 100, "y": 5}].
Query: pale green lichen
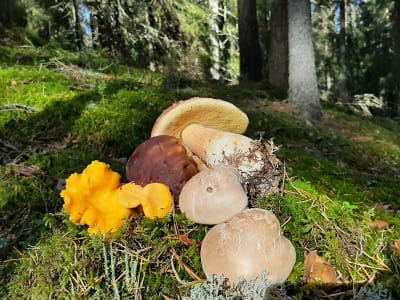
[{"x": 257, "y": 288}]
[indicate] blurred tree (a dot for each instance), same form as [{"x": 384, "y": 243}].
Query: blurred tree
[
  {"x": 62, "y": 24},
  {"x": 278, "y": 63},
  {"x": 249, "y": 47},
  {"x": 303, "y": 87},
  {"x": 394, "y": 95},
  {"x": 215, "y": 20},
  {"x": 12, "y": 13},
  {"x": 341, "y": 92}
]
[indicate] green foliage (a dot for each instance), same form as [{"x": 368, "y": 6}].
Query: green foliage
[{"x": 339, "y": 173}]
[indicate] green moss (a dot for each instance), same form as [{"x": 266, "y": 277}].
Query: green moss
[{"x": 338, "y": 173}]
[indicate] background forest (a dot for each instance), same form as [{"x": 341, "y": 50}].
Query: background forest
[
  {"x": 86, "y": 79},
  {"x": 356, "y": 42}
]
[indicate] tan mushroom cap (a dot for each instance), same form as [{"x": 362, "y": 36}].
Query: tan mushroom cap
[
  {"x": 209, "y": 112},
  {"x": 213, "y": 196},
  {"x": 247, "y": 245}
]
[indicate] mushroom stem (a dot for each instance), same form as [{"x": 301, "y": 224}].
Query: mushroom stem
[
  {"x": 213, "y": 146},
  {"x": 255, "y": 161},
  {"x": 217, "y": 147}
]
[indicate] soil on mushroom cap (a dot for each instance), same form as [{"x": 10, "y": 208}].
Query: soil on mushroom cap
[{"x": 265, "y": 181}]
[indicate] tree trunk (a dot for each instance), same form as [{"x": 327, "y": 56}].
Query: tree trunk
[
  {"x": 94, "y": 27},
  {"x": 249, "y": 47},
  {"x": 341, "y": 90},
  {"x": 77, "y": 25},
  {"x": 303, "y": 88},
  {"x": 278, "y": 63},
  {"x": 11, "y": 14},
  {"x": 214, "y": 40},
  {"x": 394, "y": 96}
]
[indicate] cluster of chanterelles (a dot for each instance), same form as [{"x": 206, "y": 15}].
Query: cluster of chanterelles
[{"x": 198, "y": 151}]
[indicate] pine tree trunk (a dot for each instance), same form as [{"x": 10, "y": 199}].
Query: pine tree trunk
[
  {"x": 6, "y": 8},
  {"x": 249, "y": 47},
  {"x": 303, "y": 88},
  {"x": 11, "y": 14},
  {"x": 214, "y": 40},
  {"x": 394, "y": 97},
  {"x": 77, "y": 25},
  {"x": 278, "y": 62},
  {"x": 342, "y": 91}
]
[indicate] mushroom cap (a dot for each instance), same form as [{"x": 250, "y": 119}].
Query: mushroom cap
[
  {"x": 213, "y": 196},
  {"x": 247, "y": 245},
  {"x": 161, "y": 159},
  {"x": 157, "y": 200},
  {"x": 213, "y": 113},
  {"x": 91, "y": 198}
]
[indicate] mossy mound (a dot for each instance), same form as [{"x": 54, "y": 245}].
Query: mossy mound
[{"x": 55, "y": 118}]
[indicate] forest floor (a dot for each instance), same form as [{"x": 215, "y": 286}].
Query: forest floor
[{"x": 59, "y": 111}]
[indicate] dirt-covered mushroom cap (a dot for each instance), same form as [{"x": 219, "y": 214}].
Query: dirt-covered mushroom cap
[
  {"x": 259, "y": 168},
  {"x": 247, "y": 245},
  {"x": 161, "y": 159},
  {"x": 214, "y": 113},
  {"x": 213, "y": 196}
]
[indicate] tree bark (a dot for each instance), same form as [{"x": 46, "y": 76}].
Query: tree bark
[
  {"x": 341, "y": 90},
  {"x": 77, "y": 25},
  {"x": 303, "y": 88},
  {"x": 214, "y": 40},
  {"x": 394, "y": 96},
  {"x": 249, "y": 47},
  {"x": 278, "y": 62},
  {"x": 11, "y": 14}
]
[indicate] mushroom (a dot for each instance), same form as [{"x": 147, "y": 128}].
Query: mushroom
[
  {"x": 91, "y": 198},
  {"x": 246, "y": 246},
  {"x": 161, "y": 159},
  {"x": 213, "y": 196},
  {"x": 213, "y": 113},
  {"x": 155, "y": 198},
  {"x": 96, "y": 198},
  {"x": 211, "y": 129}
]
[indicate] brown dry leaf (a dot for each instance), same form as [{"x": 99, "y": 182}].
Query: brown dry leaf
[
  {"x": 379, "y": 224},
  {"x": 25, "y": 171},
  {"x": 317, "y": 269},
  {"x": 185, "y": 239},
  {"x": 396, "y": 246}
]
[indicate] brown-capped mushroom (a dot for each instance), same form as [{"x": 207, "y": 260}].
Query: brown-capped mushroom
[
  {"x": 213, "y": 196},
  {"x": 161, "y": 159},
  {"x": 210, "y": 128},
  {"x": 247, "y": 245}
]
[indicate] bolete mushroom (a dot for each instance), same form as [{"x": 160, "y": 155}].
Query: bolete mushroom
[
  {"x": 213, "y": 113},
  {"x": 161, "y": 159},
  {"x": 211, "y": 129},
  {"x": 247, "y": 245},
  {"x": 213, "y": 196}
]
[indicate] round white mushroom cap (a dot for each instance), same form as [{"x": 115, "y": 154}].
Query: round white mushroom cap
[
  {"x": 213, "y": 196},
  {"x": 247, "y": 245}
]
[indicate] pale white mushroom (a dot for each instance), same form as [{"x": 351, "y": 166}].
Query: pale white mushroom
[
  {"x": 211, "y": 129},
  {"x": 213, "y": 196},
  {"x": 246, "y": 246}
]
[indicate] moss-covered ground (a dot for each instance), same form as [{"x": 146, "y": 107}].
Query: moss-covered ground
[{"x": 59, "y": 111}]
